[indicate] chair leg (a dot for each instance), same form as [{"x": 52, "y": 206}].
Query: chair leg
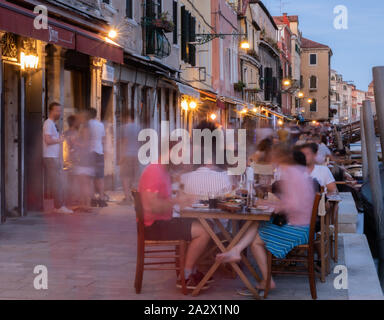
[
  {"x": 336, "y": 239},
  {"x": 311, "y": 275},
  {"x": 269, "y": 276},
  {"x": 182, "y": 252},
  {"x": 177, "y": 262},
  {"x": 139, "y": 267}
]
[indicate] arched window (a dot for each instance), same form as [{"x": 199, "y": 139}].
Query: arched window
[{"x": 313, "y": 82}]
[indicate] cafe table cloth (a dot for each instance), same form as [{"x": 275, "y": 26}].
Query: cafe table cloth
[{"x": 281, "y": 240}]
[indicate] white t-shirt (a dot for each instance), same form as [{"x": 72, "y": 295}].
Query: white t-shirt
[
  {"x": 205, "y": 181},
  {"x": 323, "y": 175},
  {"x": 53, "y": 150},
  {"x": 131, "y": 133},
  {"x": 322, "y": 153},
  {"x": 97, "y": 133}
]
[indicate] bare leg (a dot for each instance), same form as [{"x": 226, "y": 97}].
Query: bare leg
[
  {"x": 260, "y": 254},
  {"x": 233, "y": 255},
  {"x": 127, "y": 187},
  {"x": 99, "y": 184},
  {"x": 200, "y": 240}
]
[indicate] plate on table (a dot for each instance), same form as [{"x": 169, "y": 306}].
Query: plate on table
[
  {"x": 200, "y": 206},
  {"x": 263, "y": 208}
]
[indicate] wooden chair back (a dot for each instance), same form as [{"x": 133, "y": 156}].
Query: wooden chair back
[
  {"x": 139, "y": 216},
  {"x": 312, "y": 226}
]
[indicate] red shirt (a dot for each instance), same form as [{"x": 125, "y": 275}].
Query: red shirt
[{"x": 156, "y": 179}]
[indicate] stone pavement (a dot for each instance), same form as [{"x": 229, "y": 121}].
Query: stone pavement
[{"x": 93, "y": 256}]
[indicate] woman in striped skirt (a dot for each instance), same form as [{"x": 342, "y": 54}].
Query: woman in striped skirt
[{"x": 295, "y": 200}]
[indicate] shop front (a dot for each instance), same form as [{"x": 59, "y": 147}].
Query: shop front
[{"x": 37, "y": 67}]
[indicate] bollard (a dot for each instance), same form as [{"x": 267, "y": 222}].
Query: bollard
[
  {"x": 378, "y": 79},
  {"x": 363, "y": 146},
  {"x": 375, "y": 182}
]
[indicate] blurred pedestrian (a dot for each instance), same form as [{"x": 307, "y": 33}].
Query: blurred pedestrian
[
  {"x": 129, "y": 165},
  {"x": 97, "y": 145},
  {"x": 51, "y": 155}
]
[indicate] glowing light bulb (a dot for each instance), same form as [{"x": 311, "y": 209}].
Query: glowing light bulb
[
  {"x": 193, "y": 105},
  {"x": 213, "y": 116},
  {"x": 245, "y": 45},
  {"x": 184, "y": 105},
  {"x": 112, "y": 34}
]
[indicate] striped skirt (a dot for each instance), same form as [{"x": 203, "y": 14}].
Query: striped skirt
[{"x": 281, "y": 240}]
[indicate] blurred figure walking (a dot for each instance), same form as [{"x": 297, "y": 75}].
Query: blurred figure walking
[
  {"x": 97, "y": 145},
  {"x": 51, "y": 155},
  {"x": 129, "y": 165}
]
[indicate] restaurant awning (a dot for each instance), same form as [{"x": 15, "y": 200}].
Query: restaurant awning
[
  {"x": 20, "y": 21},
  {"x": 188, "y": 90}
]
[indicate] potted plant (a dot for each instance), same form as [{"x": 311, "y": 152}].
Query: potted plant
[
  {"x": 262, "y": 34},
  {"x": 253, "y": 54},
  {"x": 164, "y": 22},
  {"x": 239, "y": 86}
]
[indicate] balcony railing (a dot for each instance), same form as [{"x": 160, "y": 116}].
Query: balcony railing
[{"x": 157, "y": 43}]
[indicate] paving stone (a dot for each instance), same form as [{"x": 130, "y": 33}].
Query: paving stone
[{"x": 93, "y": 256}]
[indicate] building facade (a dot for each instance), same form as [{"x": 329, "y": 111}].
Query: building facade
[
  {"x": 284, "y": 40},
  {"x": 316, "y": 73},
  {"x": 68, "y": 54}
]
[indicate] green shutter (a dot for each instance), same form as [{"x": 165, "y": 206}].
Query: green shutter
[{"x": 192, "y": 38}]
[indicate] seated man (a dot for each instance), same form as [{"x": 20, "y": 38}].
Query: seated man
[
  {"x": 155, "y": 189},
  {"x": 208, "y": 179},
  {"x": 321, "y": 173}
]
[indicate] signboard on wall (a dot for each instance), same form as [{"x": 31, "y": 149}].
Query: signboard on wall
[{"x": 108, "y": 73}]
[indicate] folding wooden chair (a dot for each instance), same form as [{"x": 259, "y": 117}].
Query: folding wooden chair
[
  {"x": 175, "y": 256},
  {"x": 308, "y": 259}
]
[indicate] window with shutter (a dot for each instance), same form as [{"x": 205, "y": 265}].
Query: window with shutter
[
  {"x": 268, "y": 84},
  {"x": 313, "y": 59},
  {"x": 184, "y": 34},
  {"x": 261, "y": 79},
  {"x": 313, "y": 82},
  {"x": 175, "y": 22},
  {"x": 274, "y": 86},
  {"x": 192, "y": 38},
  {"x": 313, "y": 106},
  {"x": 129, "y": 9}
]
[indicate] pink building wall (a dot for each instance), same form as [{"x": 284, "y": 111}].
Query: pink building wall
[{"x": 224, "y": 20}]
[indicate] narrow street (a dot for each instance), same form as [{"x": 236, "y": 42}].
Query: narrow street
[{"x": 93, "y": 256}]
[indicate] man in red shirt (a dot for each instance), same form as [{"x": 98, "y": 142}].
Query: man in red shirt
[{"x": 155, "y": 189}]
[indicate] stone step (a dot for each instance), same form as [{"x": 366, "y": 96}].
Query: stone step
[{"x": 363, "y": 281}]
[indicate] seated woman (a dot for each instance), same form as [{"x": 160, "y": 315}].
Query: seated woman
[{"x": 295, "y": 201}]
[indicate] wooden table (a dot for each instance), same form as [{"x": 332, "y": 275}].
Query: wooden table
[{"x": 203, "y": 216}]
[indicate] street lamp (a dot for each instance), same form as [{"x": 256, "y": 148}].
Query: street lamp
[
  {"x": 29, "y": 61},
  {"x": 245, "y": 45},
  {"x": 287, "y": 82},
  {"x": 310, "y": 100},
  {"x": 213, "y": 116},
  {"x": 184, "y": 105},
  {"x": 300, "y": 94},
  {"x": 192, "y": 105},
  {"x": 112, "y": 34}
]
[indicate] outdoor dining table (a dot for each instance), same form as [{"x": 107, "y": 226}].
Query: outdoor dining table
[{"x": 204, "y": 215}]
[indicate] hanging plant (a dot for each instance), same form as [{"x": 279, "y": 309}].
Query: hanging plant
[
  {"x": 239, "y": 86},
  {"x": 164, "y": 23}
]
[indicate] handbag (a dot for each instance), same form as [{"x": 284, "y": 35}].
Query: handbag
[{"x": 279, "y": 220}]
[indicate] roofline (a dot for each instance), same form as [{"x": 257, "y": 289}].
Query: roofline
[{"x": 265, "y": 10}]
